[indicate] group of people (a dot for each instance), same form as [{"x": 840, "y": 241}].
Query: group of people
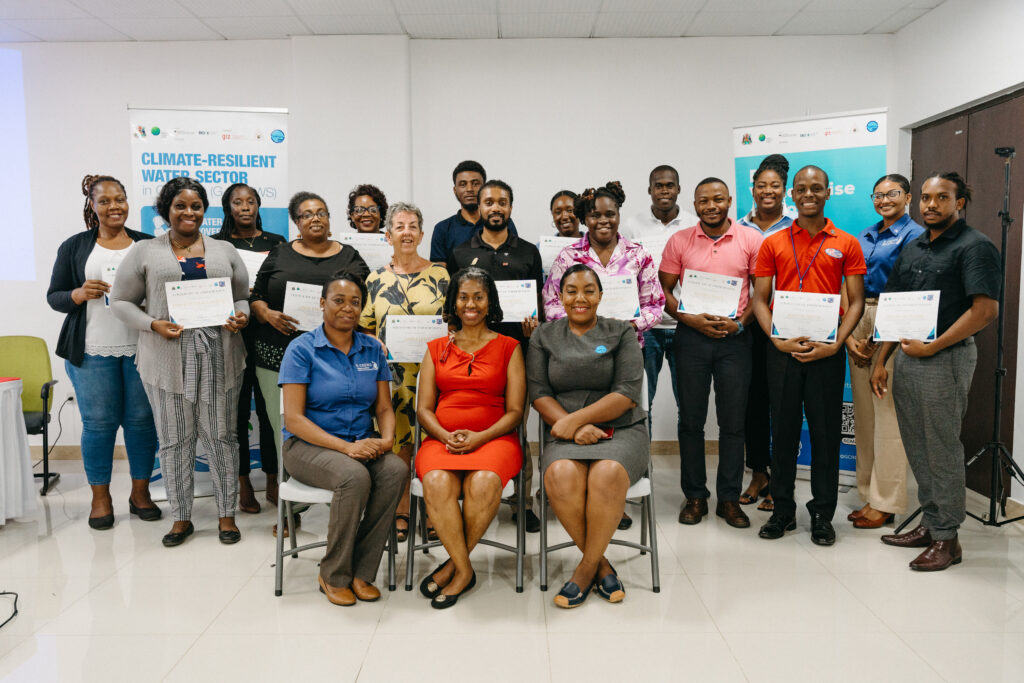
[{"x": 350, "y": 414}]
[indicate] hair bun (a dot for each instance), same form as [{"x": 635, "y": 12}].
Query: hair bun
[
  {"x": 87, "y": 183},
  {"x": 775, "y": 161},
  {"x": 615, "y": 188}
]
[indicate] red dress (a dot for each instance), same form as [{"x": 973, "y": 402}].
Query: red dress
[{"x": 472, "y": 400}]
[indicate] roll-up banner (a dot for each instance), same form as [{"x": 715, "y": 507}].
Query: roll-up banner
[
  {"x": 217, "y": 146},
  {"x": 850, "y": 147}
]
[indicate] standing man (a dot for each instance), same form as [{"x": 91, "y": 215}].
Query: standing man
[
  {"x": 807, "y": 377},
  {"x": 467, "y": 178},
  {"x": 934, "y": 379},
  {"x": 711, "y": 346},
  {"x": 497, "y": 250},
  {"x": 652, "y": 229}
]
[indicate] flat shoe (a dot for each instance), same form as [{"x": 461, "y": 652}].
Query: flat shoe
[
  {"x": 343, "y": 597},
  {"x": 442, "y": 601},
  {"x": 145, "y": 514},
  {"x": 572, "y": 596},
  {"x": 296, "y": 523},
  {"x": 229, "y": 536},
  {"x": 428, "y": 587},
  {"x": 369, "y": 594},
  {"x": 610, "y": 588},
  {"x": 172, "y": 539},
  {"x": 102, "y": 523},
  {"x": 624, "y": 523},
  {"x": 402, "y": 534}
]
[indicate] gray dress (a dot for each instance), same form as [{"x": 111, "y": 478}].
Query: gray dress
[{"x": 578, "y": 371}]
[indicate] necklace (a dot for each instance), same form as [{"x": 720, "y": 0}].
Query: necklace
[
  {"x": 249, "y": 241},
  {"x": 187, "y": 249}
]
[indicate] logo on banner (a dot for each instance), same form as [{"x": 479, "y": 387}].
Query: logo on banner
[
  {"x": 872, "y": 126},
  {"x": 762, "y": 137},
  {"x": 277, "y": 135},
  {"x": 746, "y": 139},
  {"x": 155, "y": 130}
]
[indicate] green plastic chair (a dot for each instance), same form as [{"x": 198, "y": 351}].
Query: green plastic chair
[{"x": 28, "y": 359}]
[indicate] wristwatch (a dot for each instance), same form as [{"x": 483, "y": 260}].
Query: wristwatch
[{"x": 739, "y": 327}]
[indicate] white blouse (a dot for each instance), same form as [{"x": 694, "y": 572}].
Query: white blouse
[{"x": 105, "y": 335}]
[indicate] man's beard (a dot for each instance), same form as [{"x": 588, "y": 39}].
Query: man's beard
[
  {"x": 471, "y": 208},
  {"x": 495, "y": 228}
]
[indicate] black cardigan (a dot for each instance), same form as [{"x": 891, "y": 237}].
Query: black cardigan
[{"x": 68, "y": 275}]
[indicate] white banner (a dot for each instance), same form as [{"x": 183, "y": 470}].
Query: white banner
[{"x": 217, "y": 147}]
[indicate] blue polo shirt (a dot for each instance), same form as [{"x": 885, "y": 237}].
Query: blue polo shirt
[
  {"x": 453, "y": 231},
  {"x": 781, "y": 224},
  {"x": 342, "y": 388},
  {"x": 881, "y": 250}
]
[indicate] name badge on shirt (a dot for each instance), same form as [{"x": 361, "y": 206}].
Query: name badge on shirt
[{"x": 366, "y": 367}]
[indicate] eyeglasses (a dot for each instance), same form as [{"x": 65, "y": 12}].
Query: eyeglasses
[
  {"x": 360, "y": 210},
  {"x": 891, "y": 194},
  {"x": 308, "y": 216}
]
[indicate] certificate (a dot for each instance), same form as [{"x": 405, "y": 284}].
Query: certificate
[
  {"x": 621, "y": 297},
  {"x": 550, "y": 246},
  {"x": 109, "y": 273},
  {"x": 200, "y": 303},
  {"x": 906, "y": 315},
  {"x": 406, "y": 336},
  {"x": 518, "y": 299},
  {"x": 655, "y": 246},
  {"x": 302, "y": 302},
  {"x": 252, "y": 260},
  {"x": 372, "y": 246},
  {"x": 710, "y": 293},
  {"x": 805, "y": 314}
]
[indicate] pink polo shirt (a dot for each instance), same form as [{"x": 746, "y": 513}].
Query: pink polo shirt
[{"x": 734, "y": 253}]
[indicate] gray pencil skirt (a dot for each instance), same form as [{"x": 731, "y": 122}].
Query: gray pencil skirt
[{"x": 629, "y": 446}]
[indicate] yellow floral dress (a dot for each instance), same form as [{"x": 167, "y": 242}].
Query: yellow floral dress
[{"x": 390, "y": 293}]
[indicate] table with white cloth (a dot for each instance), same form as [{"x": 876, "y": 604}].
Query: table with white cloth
[{"x": 17, "y": 493}]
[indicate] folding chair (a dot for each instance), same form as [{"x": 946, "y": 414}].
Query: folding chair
[
  {"x": 642, "y": 490},
  {"x": 418, "y": 510}
]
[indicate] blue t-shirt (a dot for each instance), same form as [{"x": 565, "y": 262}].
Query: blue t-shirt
[
  {"x": 453, "y": 231},
  {"x": 881, "y": 250},
  {"x": 341, "y": 387}
]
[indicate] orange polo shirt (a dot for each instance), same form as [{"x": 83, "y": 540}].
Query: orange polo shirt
[{"x": 823, "y": 260}]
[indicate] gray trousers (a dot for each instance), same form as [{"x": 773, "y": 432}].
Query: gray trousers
[
  {"x": 179, "y": 424},
  {"x": 931, "y": 401},
  {"x": 362, "y": 510}
]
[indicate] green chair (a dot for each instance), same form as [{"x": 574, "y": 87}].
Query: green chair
[{"x": 28, "y": 359}]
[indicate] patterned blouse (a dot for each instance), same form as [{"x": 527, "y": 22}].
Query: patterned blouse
[{"x": 629, "y": 258}]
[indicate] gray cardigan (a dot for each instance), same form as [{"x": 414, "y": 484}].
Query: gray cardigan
[{"x": 141, "y": 277}]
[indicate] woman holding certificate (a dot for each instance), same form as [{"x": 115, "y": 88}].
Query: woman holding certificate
[
  {"x": 471, "y": 400},
  {"x": 408, "y": 286},
  {"x": 597, "y": 443},
  {"x": 881, "y": 460},
  {"x": 286, "y": 296},
  {"x": 99, "y": 350},
  {"x": 243, "y": 228},
  {"x": 190, "y": 366}
]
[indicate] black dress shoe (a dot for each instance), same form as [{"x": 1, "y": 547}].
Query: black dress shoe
[
  {"x": 776, "y": 527},
  {"x": 442, "y": 601},
  {"x": 531, "y": 521},
  {"x": 145, "y": 514},
  {"x": 102, "y": 523},
  {"x": 173, "y": 539},
  {"x": 229, "y": 536},
  {"x": 428, "y": 587},
  {"x": 822, "y": 532},
  {"x": 624, "y": 523}
]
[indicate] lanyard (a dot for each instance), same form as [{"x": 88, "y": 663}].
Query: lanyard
[{"x": 796, "y": 259}]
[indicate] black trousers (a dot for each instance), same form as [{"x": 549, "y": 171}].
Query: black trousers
[
  {"x": 699, "y": 359},
  {"x": 813, "y": 389},
  {"x": 268, "y": 449},
  {"x": 758, "y": 424}
]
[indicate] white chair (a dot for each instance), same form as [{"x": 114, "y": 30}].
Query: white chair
[
  {"x": 291, "y": 491},
  {"x": 642, "y": 490},
  {"x": 417, "y": 510}
]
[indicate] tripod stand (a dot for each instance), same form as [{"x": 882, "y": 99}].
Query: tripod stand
[{"x": 996, "y": 449}]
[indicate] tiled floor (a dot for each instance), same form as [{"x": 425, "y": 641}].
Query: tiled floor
[{"x": 116, "y": 605}]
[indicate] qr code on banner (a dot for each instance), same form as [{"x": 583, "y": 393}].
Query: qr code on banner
[{"x": 848, "y": 421}]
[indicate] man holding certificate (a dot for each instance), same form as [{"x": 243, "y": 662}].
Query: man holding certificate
[
  {"x": 706, "y": 272},
  {"x": 934, "y": 378},
  {"x": 806, "y": 359}
]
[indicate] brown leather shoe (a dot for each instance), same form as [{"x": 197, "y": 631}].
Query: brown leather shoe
[
  {"x": 694, "y": 510},
  {"x": 938, "y": 556},
  {"x": 866, "y": 522},
  {"x": 918, "y": 538},
  {"x": 338, "y": 596},
  {"x": 367, "y": 593},
  {"x": 732, "y": 513}
]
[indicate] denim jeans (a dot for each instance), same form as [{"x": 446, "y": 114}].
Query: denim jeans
[
  {"x": 657, "y": 347},
  {"x": 110, "y": 395}
]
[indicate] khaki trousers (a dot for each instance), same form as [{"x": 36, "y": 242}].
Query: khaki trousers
[{"x": 881, "y": 459}]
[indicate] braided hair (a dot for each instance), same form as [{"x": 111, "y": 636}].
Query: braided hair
[
  {"x": 89, "y": 183},
  {"x": 585, "y": 202},
  {"x": 963, "y": 190}
]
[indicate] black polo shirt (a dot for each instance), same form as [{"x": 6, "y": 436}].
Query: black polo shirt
[
  {"x": 516, "y": 259},
  {"x": 960, "y": 263},
  {"x": 451, "y": 232}
]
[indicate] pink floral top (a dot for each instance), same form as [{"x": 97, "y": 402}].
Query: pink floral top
[{"x": 629, "y": 258}]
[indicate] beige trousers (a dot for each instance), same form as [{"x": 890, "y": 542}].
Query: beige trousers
[{"x": 881, "y": 460}]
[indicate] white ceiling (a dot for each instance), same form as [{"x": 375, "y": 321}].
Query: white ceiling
[{"x": 128, "y": 20}]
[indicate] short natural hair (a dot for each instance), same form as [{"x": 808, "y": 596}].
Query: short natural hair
[
  {"x": 172, "y": 188},
  {"x": 500, "y": 184},
  {"x": 402, "y": 207},
  {"x": 298, "y": 198},
  {"x": 371, "y": 191},
  {"x": 471, "y": 166}
]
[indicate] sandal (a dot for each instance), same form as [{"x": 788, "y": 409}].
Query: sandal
[
  {"x": 401, "y": 534},
  {"x": 747, "y": 498},
  {"x": 296, "y": 523},
  {"x": 431, "y": 534},
  {"x": 767, "y": 505}
]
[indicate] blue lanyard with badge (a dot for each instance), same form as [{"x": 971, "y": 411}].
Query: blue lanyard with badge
[{"x": 796, "y": 258}]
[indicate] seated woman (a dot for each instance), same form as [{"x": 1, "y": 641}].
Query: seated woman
[
  {"x": 335, "y": 382},
  {"x": 597, "y": 444},
  {"x": 471, "y": 399}
]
